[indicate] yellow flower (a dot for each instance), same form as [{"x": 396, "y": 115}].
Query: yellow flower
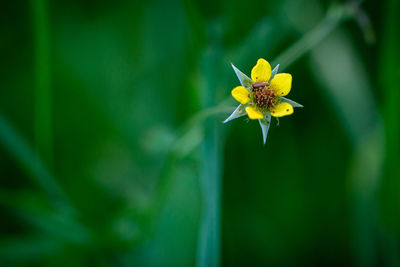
[{"x": 262, "y": 96}]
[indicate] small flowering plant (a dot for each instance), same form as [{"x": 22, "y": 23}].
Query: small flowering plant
[{"x": 262, "y": 96}]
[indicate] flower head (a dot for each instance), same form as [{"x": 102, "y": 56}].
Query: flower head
[{"x": 262, "y": 96}]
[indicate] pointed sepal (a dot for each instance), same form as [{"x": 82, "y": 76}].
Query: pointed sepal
[
  {"x": 239, "y": 112},
  {"x": 291, "y": 102},
  {"x": 265, "y": 123},
  {"x": 244, "y": 80},
  {"x": 274, "y": 72}
]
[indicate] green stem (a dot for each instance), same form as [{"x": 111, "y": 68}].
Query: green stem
[
  {"x": 43, "y": 95},
  {"x": 208, "y": 249}
]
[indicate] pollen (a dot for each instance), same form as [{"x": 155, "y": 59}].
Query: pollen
[{"x": 264, "y": 96}]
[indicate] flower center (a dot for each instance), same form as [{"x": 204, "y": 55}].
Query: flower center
[{"x": 264, "y": 96}]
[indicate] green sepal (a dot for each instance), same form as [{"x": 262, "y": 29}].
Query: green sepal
[
  {"x": 244, "y": 80},
  {"x": 265, "y": 123},
  {"x": 274, "y": 72},
  {"x": 291, "y": 102},
  {"x": 238, "y": 112}
]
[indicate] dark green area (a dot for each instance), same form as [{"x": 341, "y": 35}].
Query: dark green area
[{"x": 112, "y": 150}]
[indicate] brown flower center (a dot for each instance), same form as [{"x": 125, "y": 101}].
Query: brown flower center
[{"x": 264, "y": 96}]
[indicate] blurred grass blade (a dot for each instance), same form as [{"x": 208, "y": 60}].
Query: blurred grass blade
[
  {"x": 43, "y": 96},
  {"x": 35, "y": 211},
  {"x": 351, "y": 98},
  {"x": 389, "y": 76},
  {"x": 261, "y": 40},
  {"x": 389, "y": 81},
  {"x": 351, "y": 95},
  {"x": 17, "y": 146},
  {"x": 208, "y": 249},
  {"x": 334, "y": 17}
]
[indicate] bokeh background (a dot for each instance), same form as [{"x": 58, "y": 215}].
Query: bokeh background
[{"x": 112, "y": 150}]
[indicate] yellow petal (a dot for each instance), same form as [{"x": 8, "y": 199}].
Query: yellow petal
[
  {"x": 261, "y": 71},
  {"x": 282, "y": 109},
  {"x": 241, "y": 94},
  {"x": 282, "y": 83},
  {"x": 253, "y": 113}
]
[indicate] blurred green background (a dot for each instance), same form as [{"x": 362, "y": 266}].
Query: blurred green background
[{"x": 112, "y": 150}]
